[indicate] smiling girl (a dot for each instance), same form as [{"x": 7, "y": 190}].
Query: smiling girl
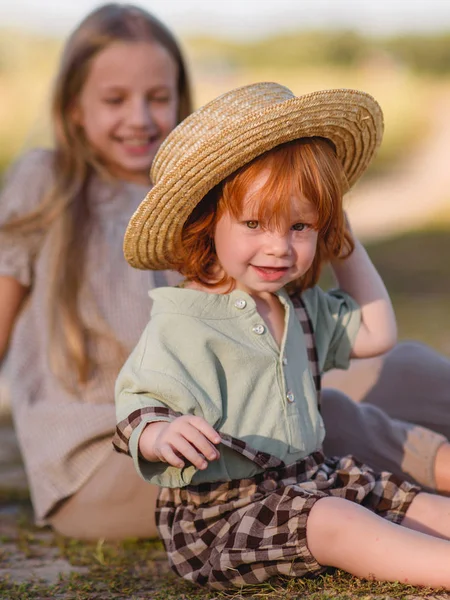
[{"x": 120, "y": 89}]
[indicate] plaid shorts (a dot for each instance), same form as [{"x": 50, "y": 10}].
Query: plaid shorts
[{"x": 245, "y": 531}]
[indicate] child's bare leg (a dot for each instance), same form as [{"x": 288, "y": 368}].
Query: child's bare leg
[
  {"x": 442, "y": 469},
  {"x": 430, "y": 514},
  {"x": 346, "y": 535}
]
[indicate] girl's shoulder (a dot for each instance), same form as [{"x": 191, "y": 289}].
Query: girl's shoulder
[
  {"x": 37, "y": 161},
  {"x": 26, "y": 182}
]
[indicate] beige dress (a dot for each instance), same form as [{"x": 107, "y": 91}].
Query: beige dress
[{"x": 64, "y": 437}]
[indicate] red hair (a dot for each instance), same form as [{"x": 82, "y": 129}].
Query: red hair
[{"x": 305, "y": 168}]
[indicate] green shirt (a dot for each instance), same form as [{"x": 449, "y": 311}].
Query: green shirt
[{"x": 213, "y": 356}]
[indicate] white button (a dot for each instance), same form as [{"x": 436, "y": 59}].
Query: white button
[
  {"x": 290, "y": 397},
  {"x": 284, "y": 361},
  {"x": 258, "y": 329},
  {"x": 240, "y": 304}
]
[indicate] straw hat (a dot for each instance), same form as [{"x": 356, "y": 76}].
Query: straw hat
[{"x": 229, "y": 132}]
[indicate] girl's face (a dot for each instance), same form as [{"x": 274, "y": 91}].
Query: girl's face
[
  {"x": 265, "y": 260},
  {"x": 128, "y": 105}
]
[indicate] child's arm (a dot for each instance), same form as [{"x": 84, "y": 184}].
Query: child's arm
[
  {"x": 357, "y": 276},
  {"x": 187, "y": 436},
  {"x": 12, "y": 294}
]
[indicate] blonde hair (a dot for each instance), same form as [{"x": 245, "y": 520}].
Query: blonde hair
[{"x": 65, "y": 207}]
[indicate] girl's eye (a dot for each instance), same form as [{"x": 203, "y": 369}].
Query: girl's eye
[
  {"x": 252, "y": 224},
  {"x": 114, "y": 101},
  {"x": 160, "y": 99},
  {"x": 299, "y": 227}
]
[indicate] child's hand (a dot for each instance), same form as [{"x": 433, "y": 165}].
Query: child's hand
[{"x": 188, "y": 437}]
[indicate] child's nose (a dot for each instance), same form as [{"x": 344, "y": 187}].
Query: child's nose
[
  {"x": 140, "y": 114},
  {"x": 278, "y": 244}
]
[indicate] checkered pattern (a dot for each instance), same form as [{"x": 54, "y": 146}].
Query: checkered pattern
[
  {"x": 308, "y": 331},
  {"x": 125, "y": 428},
  {"x": 243, "y": 532}
]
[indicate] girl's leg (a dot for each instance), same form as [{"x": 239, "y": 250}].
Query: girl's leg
[
  {"x": 114, "y": 504},
  {"x": 346, "y": 535},
  {"x": 442, "y": 469},
  {"x": 411, "y": 383},
  {"x": 386, "y": 444}
]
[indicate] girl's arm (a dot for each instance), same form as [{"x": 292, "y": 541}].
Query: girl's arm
[
  {"x": 12, "y": 294},
  {"x": 357, "y": 276}
]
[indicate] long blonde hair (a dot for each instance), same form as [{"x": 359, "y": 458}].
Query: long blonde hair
[{"x": 65, "y": 207}]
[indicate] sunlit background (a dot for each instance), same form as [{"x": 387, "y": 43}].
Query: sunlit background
[{"x": 397, "y": 50}]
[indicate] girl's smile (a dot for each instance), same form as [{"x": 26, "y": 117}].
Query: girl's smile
[{"x": 139, "y": 146}]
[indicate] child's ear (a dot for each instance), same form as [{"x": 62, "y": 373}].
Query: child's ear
[{"x": 76, "y": 114}]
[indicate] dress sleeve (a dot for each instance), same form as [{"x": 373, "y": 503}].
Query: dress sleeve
[
  {"x": 336, "y": 319},
  {"x": 27, "y": 181}
]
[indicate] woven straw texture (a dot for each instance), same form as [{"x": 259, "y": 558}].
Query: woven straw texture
[{"x": 229, "y": 132}]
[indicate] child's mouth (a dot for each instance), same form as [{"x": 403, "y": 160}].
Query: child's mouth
[
  {"x": 270, "y": 273},
  {"x": 138, "y": 146}
]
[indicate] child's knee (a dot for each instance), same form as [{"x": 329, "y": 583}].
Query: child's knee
[{"x": 328, "y": 525}]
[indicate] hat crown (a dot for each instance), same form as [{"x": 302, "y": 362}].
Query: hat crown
[{"x": 213, "y": 118}]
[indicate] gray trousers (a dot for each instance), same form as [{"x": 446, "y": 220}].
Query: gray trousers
[{"x": 399, "y": 412}]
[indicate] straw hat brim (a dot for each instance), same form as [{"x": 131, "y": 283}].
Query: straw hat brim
[{"x": 194, "y": 158}]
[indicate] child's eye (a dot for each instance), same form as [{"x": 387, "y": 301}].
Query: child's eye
[
  {"x": 252, "y": 224},
  {"x": 114, "y": 101},
  {"x": 300, "y": 227},
  {"x": 160, "y": 99}
]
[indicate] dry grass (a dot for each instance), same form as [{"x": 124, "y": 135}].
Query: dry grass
[{"x": 135, "y": 570}]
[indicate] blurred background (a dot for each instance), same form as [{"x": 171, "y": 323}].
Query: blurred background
[{"x": 397, "y": 50}]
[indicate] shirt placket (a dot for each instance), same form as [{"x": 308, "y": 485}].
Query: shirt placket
[{"x": 261, "y": 335}]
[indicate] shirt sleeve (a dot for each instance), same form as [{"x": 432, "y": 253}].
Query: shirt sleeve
[
  {"x": 26, "y": 184},
  {"x": 336, "y": 319},
  {"x": 154, "y": 385}
]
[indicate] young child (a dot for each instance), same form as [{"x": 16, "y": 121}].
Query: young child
[
  {"x": 120, "y": 89},
  {"x": 218, "y": 403}
]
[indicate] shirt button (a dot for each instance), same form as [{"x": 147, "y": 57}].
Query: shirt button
[
  {"x": 240, "y": 304},
  {"x": 284, "y": 361},
  {"x": 258, "y": 329},
  {"x": 290, "y": 397}
]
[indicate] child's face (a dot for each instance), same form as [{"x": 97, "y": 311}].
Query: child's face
[
  {"x": 265, "y": 260},
  {"x": 128, "y": 105}
]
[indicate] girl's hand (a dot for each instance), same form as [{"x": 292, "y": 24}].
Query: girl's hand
[
  {"x": 188, "y": 437},
  {"x": 12, "y": 295}
]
